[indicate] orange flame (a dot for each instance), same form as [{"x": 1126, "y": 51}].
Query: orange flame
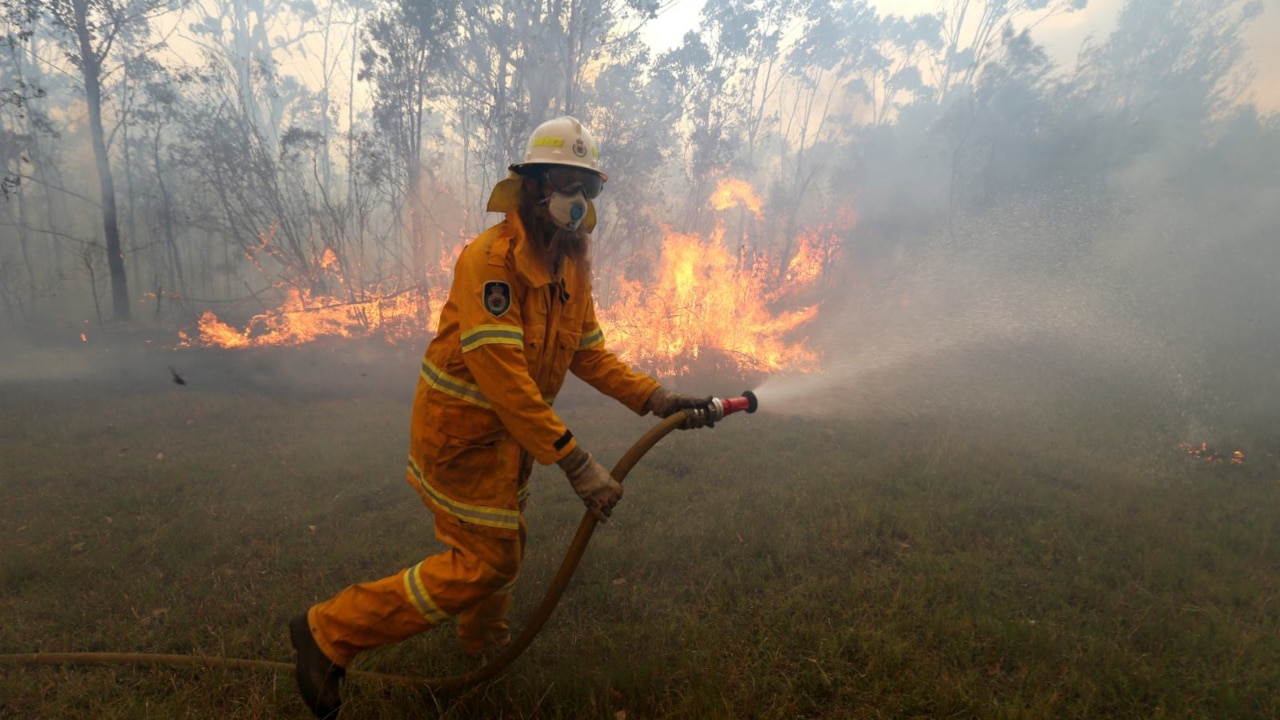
[
  {"x": 734, "y": 193},
  {"x": 703, "y": 298},
  {"x": 329, "y": 260},
  {"x": 805, "y": 265},
  {"x": 305, "y": 316},
  {"x": 708, "y": 296},
  {"x": 1207, "y": 453},
  {"x": 816, "y": 248}
]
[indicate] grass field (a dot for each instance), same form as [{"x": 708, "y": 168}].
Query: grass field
[{"x": 947, "y": 567}]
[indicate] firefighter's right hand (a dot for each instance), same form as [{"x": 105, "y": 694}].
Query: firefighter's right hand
[{"x": 593, "y": 483}]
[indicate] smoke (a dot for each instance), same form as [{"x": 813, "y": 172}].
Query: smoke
[
  {"x": 141, "y": 362},
  {"x": 1009, "y": 314}
]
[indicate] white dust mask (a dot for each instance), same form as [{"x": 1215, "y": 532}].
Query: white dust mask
[{"x": 567, "y": 210}]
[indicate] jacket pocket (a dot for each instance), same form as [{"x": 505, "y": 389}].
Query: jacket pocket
[
  {"x": 471, "y": 425},
  {"x": 560, "y": 358},
  {"x": 566, "y": 347},
  {"x": 475, "y": 468}
]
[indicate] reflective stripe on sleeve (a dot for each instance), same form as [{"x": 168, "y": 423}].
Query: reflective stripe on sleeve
[
  {"x": 475, "y": 514},
  {"x": 453, "y": 386},
  {"x": 492, "y": 335},
  {"x": 591, "y": 339},
  {"x": 421, "y": 598}
]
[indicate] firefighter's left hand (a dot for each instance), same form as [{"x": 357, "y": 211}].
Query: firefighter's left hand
[
  {"x": 664, "y": 403},
  {"x": 592, "y": 482}
]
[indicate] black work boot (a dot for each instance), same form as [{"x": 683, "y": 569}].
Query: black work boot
[{"x": 318, "y": 677}]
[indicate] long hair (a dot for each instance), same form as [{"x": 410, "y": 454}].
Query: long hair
[{"x": 554, "y": 242}]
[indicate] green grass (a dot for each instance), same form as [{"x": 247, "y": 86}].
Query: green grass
[{"x": 769, "y": 568}]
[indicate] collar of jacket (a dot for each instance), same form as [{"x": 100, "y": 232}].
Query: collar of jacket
[{"x": 511, "y": 244}]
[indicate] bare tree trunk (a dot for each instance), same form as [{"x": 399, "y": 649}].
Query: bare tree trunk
[
  {"x": 176, "y": 277},
  {"x": 87, "y": 257},
  {"x": 130, "y": 212},
  {"x": 325, "y": 129},
  {"x": 418, "y": 229},
  {"x": 355, "y": 228},
  {"x": 23, "y": 221},
  {"x": 91, "y": 66}
]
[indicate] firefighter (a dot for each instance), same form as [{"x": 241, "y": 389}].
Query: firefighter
[{"x": 519, "y": 316}]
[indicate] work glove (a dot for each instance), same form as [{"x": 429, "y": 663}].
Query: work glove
[
  {"x": 664, "y": 403},
  {"x": 593, "y": 483}
]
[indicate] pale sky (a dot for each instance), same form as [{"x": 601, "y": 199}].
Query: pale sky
[{"x": 1061, "y": 35}]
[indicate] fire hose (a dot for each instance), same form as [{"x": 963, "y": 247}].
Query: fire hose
[{"x": 718, "y": 409}]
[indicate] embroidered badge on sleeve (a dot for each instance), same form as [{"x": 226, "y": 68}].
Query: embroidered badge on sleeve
[{"x": 497, "y": 297}]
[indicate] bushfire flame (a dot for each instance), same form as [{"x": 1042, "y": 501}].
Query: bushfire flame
[
  {"x": 306, "y": 315},
  {"x": 732, "y": 192},
  {"x": 702, "y": 298},
  {"x": 706, "y": 296},
  {"x": 724, "y": 296},
  {"x": 1204, "y": 452}
]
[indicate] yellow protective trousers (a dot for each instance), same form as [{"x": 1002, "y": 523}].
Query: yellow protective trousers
[{"x": 471, "y": 581}]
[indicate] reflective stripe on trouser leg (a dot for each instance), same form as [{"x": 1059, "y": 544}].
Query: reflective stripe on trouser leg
[
  {"x": 368, "y": 615},
  {"x": 483, "y": 626},
  {"x": 364, "y": 616}
]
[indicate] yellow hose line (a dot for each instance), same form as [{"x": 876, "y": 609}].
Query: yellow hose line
[{"x": 454, "y": 682}]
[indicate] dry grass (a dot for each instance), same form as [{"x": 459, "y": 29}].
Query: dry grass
[{"x": 769, "y": 568}]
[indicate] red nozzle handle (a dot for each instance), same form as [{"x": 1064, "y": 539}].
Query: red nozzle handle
[{"x": 747, "y": 402}]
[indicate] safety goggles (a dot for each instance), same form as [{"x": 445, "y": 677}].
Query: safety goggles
[{"x": 569, "y": 180}]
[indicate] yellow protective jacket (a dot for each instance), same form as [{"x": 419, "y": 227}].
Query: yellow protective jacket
[{"x": 482, "y": 412}]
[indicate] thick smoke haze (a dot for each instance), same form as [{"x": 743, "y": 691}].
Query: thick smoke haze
[
  {"x": 1029, "y": 220},
  {"x": 994, "y": 328},
  {"x": 1160, "y": 306}
]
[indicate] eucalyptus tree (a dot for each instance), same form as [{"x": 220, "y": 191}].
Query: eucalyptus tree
[
  {"x": 972, "y": 32},
  {"x": 520, "y": 62},
  {"x": 35, "y": 179},
  {"x": 730, "y": 77},
  {"x": 843, "y": 70},
  {"x": 355, "y": 202},
  {"x": 89, "y": 32},
  {"x": 248, "y": 198},
  {"x": 633, "y": 121},
  {"x": 1171, "y": 67},
  {"x": 253, "y": 38},
  {"x": 16, "y": 140},
  {"x": 507, "y": 74},
  {"x": 13, "y": 144},
  {"x": 699, "y": 73},
  {"x": 1012, "y": 126},
  {"x": 258, "y": 136},
  {"x": 1197, "y": 169},
  {"x": 405, "y": 48},
  {"x": 140, "y": 68},
  {"x": 156, "y": 117}
]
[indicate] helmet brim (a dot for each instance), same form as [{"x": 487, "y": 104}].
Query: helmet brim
[{"x": 525, "y": 168}]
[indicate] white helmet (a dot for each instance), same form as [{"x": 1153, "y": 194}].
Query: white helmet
[{"x": 561, "y": 141}]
